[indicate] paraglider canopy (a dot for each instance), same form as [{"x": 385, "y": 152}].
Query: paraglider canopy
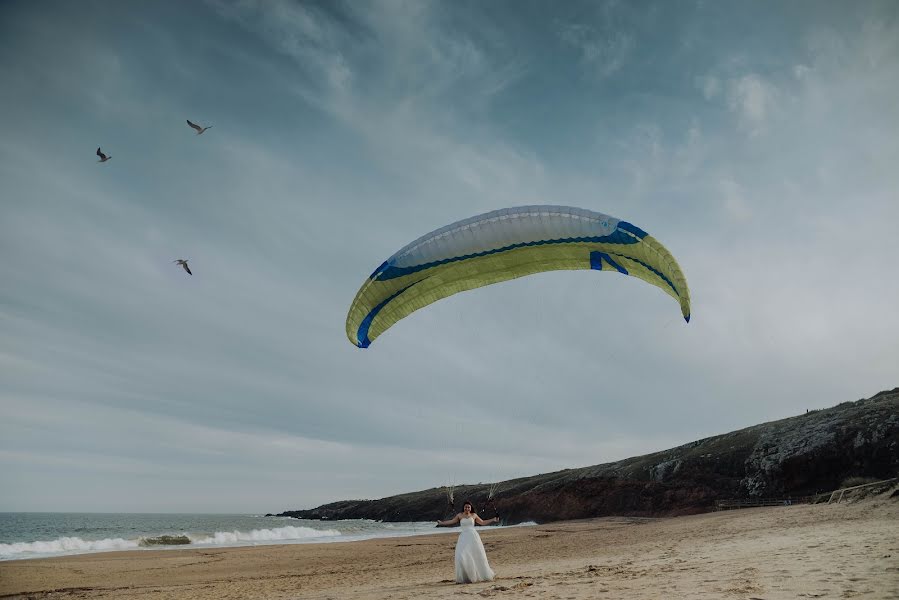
[{"x": 506, "y": 244}]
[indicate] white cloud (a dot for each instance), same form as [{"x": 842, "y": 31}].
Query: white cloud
[
  {"x": 709, "y": 85},
  {"x": 735, "y": 202},
  {"x": 404, "y": 110},
  {"x": 753, "y": 99},
  {"x": 800, "y": 72},
  {"x": 604, "y": 52}
]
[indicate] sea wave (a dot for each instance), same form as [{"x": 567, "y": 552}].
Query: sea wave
[
  {"x": 64, "y": 545},
  {"x": 278, "y": 534},
  {"x": 76, "y": 545}
]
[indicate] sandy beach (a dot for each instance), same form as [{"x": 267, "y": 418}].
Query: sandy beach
[{"x": 803, "y": 551}]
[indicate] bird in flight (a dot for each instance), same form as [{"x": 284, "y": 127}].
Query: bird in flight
[
  {"x": 183, "y": 264},
  {"x": 198, "y": 128},
  {"x": 103, "y": 157}
]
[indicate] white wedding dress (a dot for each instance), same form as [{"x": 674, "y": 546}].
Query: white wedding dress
[{"x": 471, "y": 559}]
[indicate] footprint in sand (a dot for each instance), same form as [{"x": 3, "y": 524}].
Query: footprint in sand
[{"x": 504, "y": 588}]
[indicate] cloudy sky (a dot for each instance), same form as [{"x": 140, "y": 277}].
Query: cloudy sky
[{"x": 757, "y": 141}]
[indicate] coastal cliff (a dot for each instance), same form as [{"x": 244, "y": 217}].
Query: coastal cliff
[{"x": 792, "y": 457}]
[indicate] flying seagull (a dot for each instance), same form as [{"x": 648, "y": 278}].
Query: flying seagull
[
  {"x": 183, "y": 263},
  {"x": 103, "y": 157},
  {"x": 198, "y": 128}
]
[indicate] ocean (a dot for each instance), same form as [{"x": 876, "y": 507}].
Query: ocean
[{"x": 36, "y": 535}]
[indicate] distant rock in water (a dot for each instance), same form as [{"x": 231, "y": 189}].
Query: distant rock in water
[
  {"x": 165, "y": 540},
  {"x": 793, "y": 457}
]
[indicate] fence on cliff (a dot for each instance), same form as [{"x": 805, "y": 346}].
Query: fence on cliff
[
  {"x": 735, "y": 503},
  {"x": 835, "y": 496}
]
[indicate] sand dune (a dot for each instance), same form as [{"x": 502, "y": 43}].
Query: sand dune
[{"x": 822, "y": 551}]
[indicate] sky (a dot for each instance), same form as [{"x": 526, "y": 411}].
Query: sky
[{"x": 757, "y": 141}]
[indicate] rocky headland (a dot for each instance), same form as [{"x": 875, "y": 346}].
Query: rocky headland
[{"x": 791, "y": 458}]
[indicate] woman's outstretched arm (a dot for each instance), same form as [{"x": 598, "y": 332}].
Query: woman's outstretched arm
[
  {"x": 452, "y": 521},
  {"x": 480, "y": 521}
]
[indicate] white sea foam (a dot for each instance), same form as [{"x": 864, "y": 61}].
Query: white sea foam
[
  {"x": 63, "y": 545},
  {"x": 76, "y": 545},
  {"x": 279, "y": 534}
]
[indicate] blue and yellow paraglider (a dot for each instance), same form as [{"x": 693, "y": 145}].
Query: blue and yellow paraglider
[{"x": 502, "y": 245}]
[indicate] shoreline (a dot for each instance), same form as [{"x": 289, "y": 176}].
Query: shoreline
[
  {"x": 241, "y": 539},
  {"x": 140, "y": 548},
  {"x": 778, "y": 552}
]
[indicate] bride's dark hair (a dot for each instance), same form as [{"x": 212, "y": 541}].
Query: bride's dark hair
[{"x": 469, "y": 504}]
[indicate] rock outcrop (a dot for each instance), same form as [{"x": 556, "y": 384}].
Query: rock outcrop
[{"x": 793, "y": 457}]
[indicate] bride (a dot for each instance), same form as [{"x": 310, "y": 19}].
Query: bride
[{"x": 471, "y": 559}]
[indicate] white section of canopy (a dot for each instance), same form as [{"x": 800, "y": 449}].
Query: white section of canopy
[{"x": 502, "y": 228}]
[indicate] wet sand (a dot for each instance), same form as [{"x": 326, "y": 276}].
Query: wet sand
[{"x": 821, "y": 551}]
